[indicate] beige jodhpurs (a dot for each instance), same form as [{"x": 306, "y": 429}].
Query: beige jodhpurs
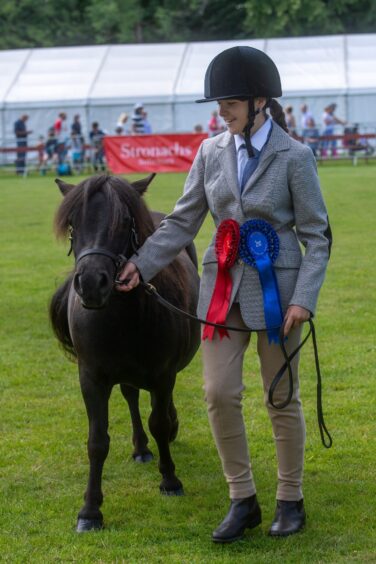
[{"x": 223, "y": 385}]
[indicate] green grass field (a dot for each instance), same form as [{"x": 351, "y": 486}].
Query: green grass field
[{"x": 43, "y": 464}]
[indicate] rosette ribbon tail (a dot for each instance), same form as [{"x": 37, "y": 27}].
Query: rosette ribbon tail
[
  {"x": 226, "y": 249},
  {"x": 272, "y": 303},
  {"x": 259, "y": 247},
  {"x": 219, "y": 304}
]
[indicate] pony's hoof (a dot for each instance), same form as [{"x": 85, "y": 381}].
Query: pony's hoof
[
  {"x": 179, "y": 491},
  {"x": 144, "y": 457},
  {"x": 85, "y": 525}
]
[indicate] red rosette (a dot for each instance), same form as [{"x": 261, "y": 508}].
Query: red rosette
[{"x": 226, "y": 250}]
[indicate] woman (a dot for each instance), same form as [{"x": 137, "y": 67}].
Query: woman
[
  {"x": 291, "y": 122},
  {"x": 121, "y": 124},
  {"x": 252, "y": 171},
  {"x": 330, "y": 121},
  {"x": 214, "y": 125}
]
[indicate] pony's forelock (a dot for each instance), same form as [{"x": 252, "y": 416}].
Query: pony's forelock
[{"x": 124, "y": 200}]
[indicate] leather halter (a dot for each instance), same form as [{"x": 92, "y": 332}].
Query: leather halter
[{"x": 118, "y": 260}]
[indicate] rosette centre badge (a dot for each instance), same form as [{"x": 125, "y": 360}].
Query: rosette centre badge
[{"x": 258, "y": 244}]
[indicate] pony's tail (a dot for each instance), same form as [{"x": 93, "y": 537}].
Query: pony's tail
[
  {"x": 277, "y": 113},
  {"x": 58, "y": 311}
]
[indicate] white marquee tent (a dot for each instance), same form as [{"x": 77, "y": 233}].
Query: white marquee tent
[{"x": 100, "y": 82}]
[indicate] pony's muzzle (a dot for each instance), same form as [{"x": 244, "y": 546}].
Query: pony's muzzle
[{"x": 94, "y": 288}]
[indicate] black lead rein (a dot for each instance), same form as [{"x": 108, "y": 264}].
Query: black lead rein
[
  {"x": 120, "y": 260},
  {"x": 326, "y": 438}
]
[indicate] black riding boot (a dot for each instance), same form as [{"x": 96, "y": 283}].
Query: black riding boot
[
  {"x": 243, "y": 513},
  {"x": 289, "y": 518}
]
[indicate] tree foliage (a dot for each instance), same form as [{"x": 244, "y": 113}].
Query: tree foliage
[
  {"x": 284, "y": 18},
  {"x": 26, "y": 23}
]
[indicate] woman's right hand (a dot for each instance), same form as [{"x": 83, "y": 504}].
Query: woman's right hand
[{"x": 130, "y": 273}]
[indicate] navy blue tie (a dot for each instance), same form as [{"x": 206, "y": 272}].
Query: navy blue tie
[{"x": 250, "y": 167}]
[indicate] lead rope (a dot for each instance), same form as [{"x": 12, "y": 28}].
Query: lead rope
[{"x": 326, "y": 440}]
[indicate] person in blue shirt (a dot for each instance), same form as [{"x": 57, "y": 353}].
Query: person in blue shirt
[
  {"x": 96, "y": 139},
  {"x": 138, "y": 121},
  {"x": 21, "y": 132},
  {"x": 312, "y": 136}
]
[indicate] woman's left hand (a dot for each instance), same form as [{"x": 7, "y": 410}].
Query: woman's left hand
[{"x": 295, "y": 315}]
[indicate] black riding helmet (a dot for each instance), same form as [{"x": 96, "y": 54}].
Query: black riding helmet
[{"x": 242, "y": 73}]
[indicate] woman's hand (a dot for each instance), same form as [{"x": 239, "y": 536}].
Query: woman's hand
[
  {"x": 131, "y": 274},
  {"x": 295, "y": 315}
]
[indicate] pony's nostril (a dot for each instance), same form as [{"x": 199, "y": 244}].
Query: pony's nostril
[{"x": 103, "y": 280}]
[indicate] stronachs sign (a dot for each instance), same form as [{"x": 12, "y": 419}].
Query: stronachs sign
[{"x": 152, "y": 153}]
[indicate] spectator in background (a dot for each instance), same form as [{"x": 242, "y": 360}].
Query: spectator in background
[
  {"x": 330, "y": 120},
  {"x": 62, "y": 136},
  {"x": 21, "y": 132},
  {"x": 312, "y": 136},
  {"x": 96, "y": 140},
  {"x": 198, "y": 128},
  {"x": 215, "y": 125},
  {"x": 306, "y": 115},
  {"x": 291, "y": 122},
  {"x": 50, "y": 146},
  {"x": 77, "y": 147},
  {"x": 120, "y": 125},
  {"x": 147, "y": 126},
  {"x": 76, "y": 125},
  {"x": 353, "y": 143},
  {"x": 138, "y": 124},
  {"x": 41, "y": 155}
]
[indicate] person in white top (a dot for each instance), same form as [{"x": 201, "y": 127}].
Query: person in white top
[
  {"x": 330, "y": 120},
  {"x": 120, "y": 125},
  {"x": 306, "y": 116}
]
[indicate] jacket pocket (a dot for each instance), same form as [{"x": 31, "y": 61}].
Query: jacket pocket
[{"x": 289, "y": 259}]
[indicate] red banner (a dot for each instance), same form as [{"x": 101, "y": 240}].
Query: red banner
[{"x": 152, "y": 153}]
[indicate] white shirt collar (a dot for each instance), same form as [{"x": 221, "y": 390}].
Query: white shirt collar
[{"x": 259, "y": 139}]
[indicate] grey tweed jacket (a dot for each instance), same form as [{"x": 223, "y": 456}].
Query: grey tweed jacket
[{"x": 284, "y": 191}]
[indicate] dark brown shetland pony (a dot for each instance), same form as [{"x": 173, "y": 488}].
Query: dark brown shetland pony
[{"x": 117, "y": 338}]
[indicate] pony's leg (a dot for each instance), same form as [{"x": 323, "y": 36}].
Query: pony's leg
[
  {"x": 141, "y": 453},
  {"x": 174, "y": 421},
  {"x": 161, "y": 427},
  {"x": 96, "y": 396}
]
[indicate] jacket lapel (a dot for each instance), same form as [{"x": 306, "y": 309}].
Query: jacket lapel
[
  {"x": 279, "y": 141},
  {"x": 226, "y": 155}
]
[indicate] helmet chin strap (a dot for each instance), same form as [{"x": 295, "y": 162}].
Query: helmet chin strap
[{"x": 252, "y": 113}]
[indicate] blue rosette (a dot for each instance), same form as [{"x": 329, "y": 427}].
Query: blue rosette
[{"x": 259, "y": 248}]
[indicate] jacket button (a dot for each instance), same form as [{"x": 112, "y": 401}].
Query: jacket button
[{"x": 239, "y": 261}]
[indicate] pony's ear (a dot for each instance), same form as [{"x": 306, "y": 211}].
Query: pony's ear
[
  {"x": 142, "y": 185},
  {"x": 64, "y": 186}
]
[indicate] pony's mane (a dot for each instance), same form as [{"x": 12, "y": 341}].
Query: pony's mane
[{"x": 124, "y": 200}]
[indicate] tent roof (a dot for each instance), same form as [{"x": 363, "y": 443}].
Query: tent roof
[
  {"x": 138, "y": 71},
  {"x": 170, "y": 71}
]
